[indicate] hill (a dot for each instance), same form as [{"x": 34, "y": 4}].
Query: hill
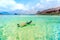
[{"x": 51, "y": 11}]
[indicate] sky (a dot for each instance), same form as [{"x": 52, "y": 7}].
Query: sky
[{"x": 11, "y": 5}]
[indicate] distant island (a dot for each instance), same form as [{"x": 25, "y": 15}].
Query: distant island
[{"x": 51, "y": 11}]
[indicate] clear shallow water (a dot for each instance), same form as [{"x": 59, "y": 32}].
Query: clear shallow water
[{"x": 45, "y": 28}]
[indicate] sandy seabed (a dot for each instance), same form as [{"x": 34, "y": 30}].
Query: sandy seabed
[{"x": 44, "y": 28}]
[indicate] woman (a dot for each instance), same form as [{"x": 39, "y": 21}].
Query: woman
[{"x": 27, "y": 23}]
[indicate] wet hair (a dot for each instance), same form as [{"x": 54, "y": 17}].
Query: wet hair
[
  {"x": 18, "y": 25},
  {"x": 29, "y": 22}
]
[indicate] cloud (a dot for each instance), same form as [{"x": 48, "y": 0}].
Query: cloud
[
  {"x": 49, "y": 0},
  {"x": 58, "y": 0},
  {"x": 19, "y": 6},
  {"x": 11, "y": 5},
  {"x": 50, "y": 3},
  {"x": 38, "y": 5}
]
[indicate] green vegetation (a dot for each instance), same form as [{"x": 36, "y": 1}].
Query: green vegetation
[{"x": 49, "y": 13}]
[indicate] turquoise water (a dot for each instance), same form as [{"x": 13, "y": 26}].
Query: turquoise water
[{"x": 41, "y": 28}]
